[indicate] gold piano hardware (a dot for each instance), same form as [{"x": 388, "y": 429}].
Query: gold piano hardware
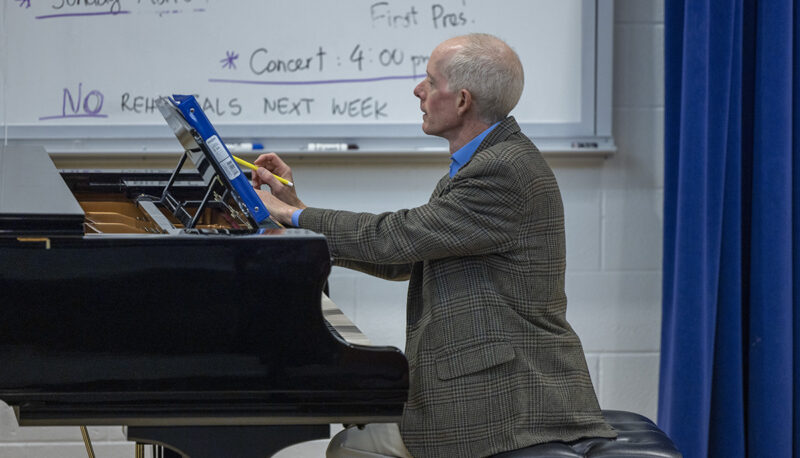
[
  {"x": 115, "y": 213},
  {"x": 46, "y": 240}
]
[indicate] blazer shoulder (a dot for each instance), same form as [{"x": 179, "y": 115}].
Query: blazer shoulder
[
  {"x": 516, "y": 150},
  {"x": 522, "y": 159}
]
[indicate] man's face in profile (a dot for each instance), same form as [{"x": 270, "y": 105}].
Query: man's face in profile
[{"x": 437, "y": 102}]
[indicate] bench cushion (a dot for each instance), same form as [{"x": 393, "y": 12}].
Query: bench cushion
[{"x": 638, "y": 437}]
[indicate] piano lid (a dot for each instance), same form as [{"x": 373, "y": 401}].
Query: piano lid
[{"x": 34, "y": 200}]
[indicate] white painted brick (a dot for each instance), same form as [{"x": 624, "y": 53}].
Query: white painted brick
[
  {"x": 16, "y": 451},
  {"x": 376, "y": 306},
  {"x": 579, "y": 181},
  {"x": 66, "y": 450},
  {"x": 577, "y": 174},
  {"x": 593, "y": 362},
  {"x": 14, "y": 433},
  {"x": 615, "y": 312},
  {"x": 632, "y": 230},
  {"x": 367, "y": 187},
  {"x": 630, "y": 382},
  {"x": 342, "y": 283},
  {"x": 638, "y": 65},
  {"x": 49, "y": 434},
  {"x": 10, "y": 431},
  {"x": 381, "y": 310},
  {"x": 582, "y": 226},
  {"x": 639, "y": 11},
  {"x": 639, "y": 162},
  {"x": 659, "y": 196}
]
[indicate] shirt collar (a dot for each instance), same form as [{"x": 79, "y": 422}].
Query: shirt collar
[{"x": 465, "y": 153}]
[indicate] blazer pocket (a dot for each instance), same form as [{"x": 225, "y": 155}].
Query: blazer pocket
[{"x": 463, "y": 361}]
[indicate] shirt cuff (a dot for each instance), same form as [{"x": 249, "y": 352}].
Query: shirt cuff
[{"x": 296, "y": 218}]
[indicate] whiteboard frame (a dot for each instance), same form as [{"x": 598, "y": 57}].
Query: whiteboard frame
[{"x": 591, "y": 135}]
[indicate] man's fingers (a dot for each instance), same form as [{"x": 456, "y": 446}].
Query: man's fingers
[
  {"x": 262, "y": 159},
  {"x": 274, "y": 164},
  {"x": 269, "y": 161},
  {"x": 268, "y": 178}
]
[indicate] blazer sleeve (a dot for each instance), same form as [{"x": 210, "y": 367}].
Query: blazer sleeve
[
  {"x": 477, "y": 213},
  {"x": 396, "y": 272}
]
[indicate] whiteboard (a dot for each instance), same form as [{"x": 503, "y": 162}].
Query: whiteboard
[{"x": 267, "y": 70}]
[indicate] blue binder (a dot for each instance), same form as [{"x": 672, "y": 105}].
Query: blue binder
[{"x": 202, "y": 143}]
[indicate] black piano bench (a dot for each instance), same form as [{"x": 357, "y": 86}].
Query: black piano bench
[{"x": 638, "y": 437}]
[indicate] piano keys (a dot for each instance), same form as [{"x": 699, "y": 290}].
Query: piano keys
[{"x": 217, "y": 331}]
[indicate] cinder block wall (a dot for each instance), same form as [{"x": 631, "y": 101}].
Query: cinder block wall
[{"x": 614, "y": 224}]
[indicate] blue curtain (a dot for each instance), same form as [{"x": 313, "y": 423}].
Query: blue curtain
[{"x": 730, "y": 344}]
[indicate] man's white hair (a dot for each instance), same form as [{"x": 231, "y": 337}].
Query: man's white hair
[{"x": 490, "y": 70}]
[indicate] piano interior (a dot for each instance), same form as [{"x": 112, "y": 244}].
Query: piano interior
[
  {"x": 127, "y": 205},
  {"x": 118, "y": 214}
]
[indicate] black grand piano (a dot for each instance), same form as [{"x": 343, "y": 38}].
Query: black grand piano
[{"x": 210, "y": 340}]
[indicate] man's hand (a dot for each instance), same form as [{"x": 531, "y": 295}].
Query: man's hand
[{"x": 282, "y": 202}]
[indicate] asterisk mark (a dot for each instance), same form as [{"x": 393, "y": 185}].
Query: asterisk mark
[{"x": 228, "y": 61}]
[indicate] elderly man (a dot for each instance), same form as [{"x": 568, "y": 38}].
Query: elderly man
[{"x": 494, "y": 365}]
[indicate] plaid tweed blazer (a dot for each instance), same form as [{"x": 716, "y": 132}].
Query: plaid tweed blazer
[{"x": 493, "y": 363}]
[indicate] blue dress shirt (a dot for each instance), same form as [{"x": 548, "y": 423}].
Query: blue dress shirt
[{"x": 465, "y": 153}]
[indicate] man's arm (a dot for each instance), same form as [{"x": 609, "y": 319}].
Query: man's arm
[
  {"x": 478, "y": 214},
  {"x": 395, "y": 272}
]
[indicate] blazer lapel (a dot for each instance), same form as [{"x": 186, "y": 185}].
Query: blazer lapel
[
  {"x": 441, "y": 186},
  {"x": 501, "y": 133}
]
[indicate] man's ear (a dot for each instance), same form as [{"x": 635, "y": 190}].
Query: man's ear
[{"x": 463, "y": 102}]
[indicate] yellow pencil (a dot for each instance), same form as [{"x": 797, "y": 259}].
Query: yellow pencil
[{"x": 253, "y": 167}]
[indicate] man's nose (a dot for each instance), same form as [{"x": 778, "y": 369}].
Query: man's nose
[{"x": 418, "y": 90}]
